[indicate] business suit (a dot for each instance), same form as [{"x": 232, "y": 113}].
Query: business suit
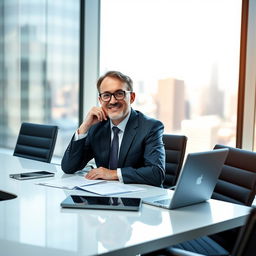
[{"x": 141, "y": 155}]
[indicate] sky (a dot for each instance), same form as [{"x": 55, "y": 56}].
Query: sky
[{"x": 155, "y": 39}]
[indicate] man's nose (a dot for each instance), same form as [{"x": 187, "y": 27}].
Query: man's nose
[{"x": 112, "y": 98}]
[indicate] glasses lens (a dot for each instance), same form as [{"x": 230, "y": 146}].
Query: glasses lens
[
  {"x": 119, "y": 95},
  {"x": 105, "y": 96}
]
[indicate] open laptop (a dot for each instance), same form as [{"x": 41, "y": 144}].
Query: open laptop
[{"x": 196, "y": 181}]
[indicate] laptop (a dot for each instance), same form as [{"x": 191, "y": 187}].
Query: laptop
[{"x": 196, "y": 181}]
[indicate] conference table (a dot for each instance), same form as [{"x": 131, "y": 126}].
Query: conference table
[{"x": 35, "y": 224}]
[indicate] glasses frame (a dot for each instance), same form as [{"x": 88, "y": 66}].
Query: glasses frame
[{"x": 113, "y": 94}]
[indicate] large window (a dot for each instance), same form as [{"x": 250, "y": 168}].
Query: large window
[
  {"x": 39, "y": 67},
  {"x": 183, "y": 56}
]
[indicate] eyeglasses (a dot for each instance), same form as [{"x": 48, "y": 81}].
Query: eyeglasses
[{"x": 119, "y": 95}]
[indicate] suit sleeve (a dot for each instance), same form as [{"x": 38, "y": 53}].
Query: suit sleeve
[
  {"x": 76, "y": 156},
  {"x": 153, "y": 170}
]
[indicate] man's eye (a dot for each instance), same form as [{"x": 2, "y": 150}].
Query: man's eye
[{"x": 118, "y": 94}]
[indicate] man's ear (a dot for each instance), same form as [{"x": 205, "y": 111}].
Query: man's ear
[{"x": 132, "y": 97}]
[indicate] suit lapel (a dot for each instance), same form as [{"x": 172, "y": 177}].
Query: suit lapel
[{"x": 128, "y": 137}]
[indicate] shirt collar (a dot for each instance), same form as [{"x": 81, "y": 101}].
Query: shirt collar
[{"x": 122, "y": 125}]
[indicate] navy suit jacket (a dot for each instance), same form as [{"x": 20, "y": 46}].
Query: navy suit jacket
[{"x": 141, "y": 155}]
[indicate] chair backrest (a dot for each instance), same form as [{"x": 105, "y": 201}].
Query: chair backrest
[
  {"x": 36, "y": 141},
  {"x": 175, "y": 147},
  {"x": 246, "y": 242},
  {"x": 237, "y": 181}
]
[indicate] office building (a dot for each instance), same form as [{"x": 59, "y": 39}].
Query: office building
[
  {"x": 38, "y": 66},
  {"x": 171, "y": 103}
]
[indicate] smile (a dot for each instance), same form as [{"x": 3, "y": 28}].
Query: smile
[{"x": 114, "y": 106}]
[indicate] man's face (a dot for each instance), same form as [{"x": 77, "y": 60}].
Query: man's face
[{"x": 116, "y": 110}]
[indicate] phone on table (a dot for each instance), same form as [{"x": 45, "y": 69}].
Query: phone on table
[{"x": 31, "y": 175}]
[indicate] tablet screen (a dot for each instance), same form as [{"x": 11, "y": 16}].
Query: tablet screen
[{"x": 100, "y": 202}]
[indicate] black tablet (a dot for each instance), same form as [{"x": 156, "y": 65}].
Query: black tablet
[
  {"x": 31, "y": 175},
  {"x": 102, "y": 202}
]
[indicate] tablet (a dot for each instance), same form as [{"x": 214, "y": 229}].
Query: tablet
[
  {"x": 102, "y": 202},
  {"x": 31, "y": 175}
]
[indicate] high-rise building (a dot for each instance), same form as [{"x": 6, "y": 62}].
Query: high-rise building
[
  {"x": 212, "y": 97},
  {"x": 202, "y": 132},
  {"x": 39, "y": 61},
  {"x": 172, "y": 106}
]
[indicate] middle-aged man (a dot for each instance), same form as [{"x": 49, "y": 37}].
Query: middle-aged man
[{"x": 131, "y": 153}]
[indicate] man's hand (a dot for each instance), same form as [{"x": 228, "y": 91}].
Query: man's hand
[
  {"x": 101, "y": 173},
  {"x": 94, "y": 116}
]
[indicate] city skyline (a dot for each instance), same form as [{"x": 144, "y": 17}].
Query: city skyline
[{"x": 39, "y": 65}]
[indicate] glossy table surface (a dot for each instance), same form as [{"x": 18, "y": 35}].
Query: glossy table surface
[{"x": 35, "y": 224}]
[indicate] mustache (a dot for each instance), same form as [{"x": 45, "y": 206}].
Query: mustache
[{"x": 117, "y": 104}]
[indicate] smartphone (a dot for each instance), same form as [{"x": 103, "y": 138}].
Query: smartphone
[
  {"x": 31, "y": 175},
  {"x": 102, "y": 202}
]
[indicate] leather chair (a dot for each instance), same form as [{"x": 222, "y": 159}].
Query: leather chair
[
  {"x": 236, "y": 184},
  {"x": 36, "y": 141},
  {"x": 175, "y": 147},
  {"x": 4, "y": 195},
  {"x": 237, "y": 181},
  {"x": 244, "y": 246}
]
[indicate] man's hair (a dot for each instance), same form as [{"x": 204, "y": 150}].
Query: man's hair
[{"x": 118, "y": 75}]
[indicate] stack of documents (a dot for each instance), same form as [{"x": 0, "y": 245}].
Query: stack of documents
[
  {"x": 70, "y": 182},
  {"x": 101, "y": 187}
]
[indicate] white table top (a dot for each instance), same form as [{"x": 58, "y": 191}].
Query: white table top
[{"x": 35, "y": 224}]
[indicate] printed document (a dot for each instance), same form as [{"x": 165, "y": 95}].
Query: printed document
[
  {"x": 101, "y": 187},
  {"x": 70, "y": 182},
  {"x": 111, "y": 188}
]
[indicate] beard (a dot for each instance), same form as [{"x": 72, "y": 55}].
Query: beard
[
  {"x": 116, "y": 116},
  {"x": 119, "y": 114}
]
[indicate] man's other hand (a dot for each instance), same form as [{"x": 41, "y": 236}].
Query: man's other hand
[{"x": 102, "y": 173}]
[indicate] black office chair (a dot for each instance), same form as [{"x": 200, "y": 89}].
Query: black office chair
[
  {"x": 244, "y": 246},
  {"x": 237, "y": 181},
  {"x": 175, "y": 147},
  {"x": 236, "y": 184},
  {"x": 36, "y": 141},
  {"x": 4, "y": 195}
]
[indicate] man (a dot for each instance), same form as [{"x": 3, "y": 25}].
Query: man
[{"x": 133, "y": 153}]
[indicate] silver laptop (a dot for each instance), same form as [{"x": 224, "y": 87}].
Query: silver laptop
[{"x": 196, "y": 181}]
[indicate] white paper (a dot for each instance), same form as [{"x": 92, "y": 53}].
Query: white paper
[
  {"x": 70, "y": 182},
  {"x": 111, "y": 188}
]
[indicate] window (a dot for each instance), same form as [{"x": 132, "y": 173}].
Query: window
[
  {"x": 39, "y": 67},
  {"x": 183, "y": 57}
]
